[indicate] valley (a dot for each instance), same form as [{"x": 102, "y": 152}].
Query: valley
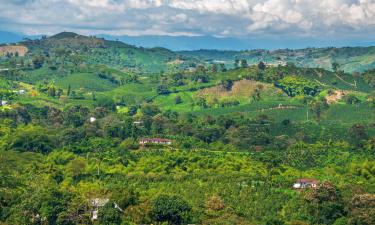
[{"x": 94, "y": 131}]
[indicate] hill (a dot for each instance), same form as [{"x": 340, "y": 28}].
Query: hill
[
  {"x": 116, "y": 54},
  {"x": 255, "y": 144},
  {"x": 350, "y": 59}
]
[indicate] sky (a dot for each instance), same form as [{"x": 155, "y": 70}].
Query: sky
[{"x": 348, "y": 21}]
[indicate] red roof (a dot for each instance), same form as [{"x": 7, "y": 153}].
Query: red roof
[
  {"x": 155, "y": 140},
  {"x": 307, "y": 180}
]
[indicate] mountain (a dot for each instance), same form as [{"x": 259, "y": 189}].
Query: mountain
[
  {"x": 350, "y": 59},
  {"x": 8, "y": 37},
  {"x": 115, "y": 54},
  {"x": 189, "y": 43},
  {"x": 179, "y": 43},
  {"x": 11, "y": 37}
]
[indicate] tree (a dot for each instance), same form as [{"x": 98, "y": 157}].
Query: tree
[
  {"x": 106, "y": 102},
  {"x": 351, "y": 99},
  {"x": 214, "y": 68},
  {"x": 296, "y": 85},
  {"x": 150, "y": 110},
  {"x": 227, "y": 84},
  {"x": 325, "y": 204},
  {"x": 319, "y": 107},
  {"x": 236, "y": 63},
  {"x": 261, "y": 65},
  {"x": 6, "y": 95},
  {"x": 59, "y": 92},
  {"x": 362, "y": 209},
  {"x": 38, "y": 61},
  {"x": 51, "y": 91},
  {"x": 42, "y": 203},
  {"x": 125, "y": 197},
  {"x": 222, "y": 67},
  {"x": 172, "y": 209},
  {"x": 69, "y": 90},
  {"x": 162, "y": 90},
  {"x": 335, "y": 66},
  {"x": 109, "y": 214},
  {"x": 30, "y": 138},
  {"x": 257, "y": 92},
  {"x": 178, "y": 100},
  {"x": 76, "y": 167},
  {"x": 215, "y": 203},
  {"x": 244, "y": 63},
  {"x": 357, "y": 134}
]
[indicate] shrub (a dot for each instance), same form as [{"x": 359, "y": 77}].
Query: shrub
[{"x": 172, "y": 209}]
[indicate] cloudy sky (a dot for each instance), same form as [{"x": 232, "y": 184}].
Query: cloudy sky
[{"x": 289, "y": 19}]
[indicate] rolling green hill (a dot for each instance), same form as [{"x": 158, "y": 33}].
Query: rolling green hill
[
  {"x": 116, "y": 54},
  {"x": 350, "y": 59},
  {"x": 74, "y": 110}
]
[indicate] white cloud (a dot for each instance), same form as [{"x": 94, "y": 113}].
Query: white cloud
[{"x": 192, "y": 17}]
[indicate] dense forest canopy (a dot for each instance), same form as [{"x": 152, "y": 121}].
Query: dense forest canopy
[{"x": 101, "y": 132}]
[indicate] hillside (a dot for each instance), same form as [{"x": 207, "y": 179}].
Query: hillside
[
  {"x": 350, "y": 59},
  {"x": 111, "y": 53},
  {"x": 100, "y": 132}
]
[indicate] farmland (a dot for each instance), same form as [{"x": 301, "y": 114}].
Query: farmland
[{"x": 227, "y": 142}]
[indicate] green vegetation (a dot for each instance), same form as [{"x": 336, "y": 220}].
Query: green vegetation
[
  {"x": 349, "y": 59},
  {"x": 75, "y": 109}
]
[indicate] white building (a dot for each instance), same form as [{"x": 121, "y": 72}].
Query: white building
[
  {"x": 97, "y": 203},
  {"x": 305, "y": 183}
]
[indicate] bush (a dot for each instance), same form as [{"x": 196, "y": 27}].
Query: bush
[
  {"x": 31, "y": 138},
  {"x": 293, "y": 86},
  {"x": 109, "y": 215},
  {"x": 107, "y": 103},
  {"x": 172, "y": 209}
]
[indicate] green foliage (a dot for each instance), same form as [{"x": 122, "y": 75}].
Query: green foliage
[
  {"x": 30, "y": 138},
  {"x": 38, "y": 61},
  {"x": 109, "y": 215},
  {"x": 171, "y": 209},
  {"x": 293, "y": 86},
  {"x": 106, "y": 102},
  {"x": 239, "y": 142}
]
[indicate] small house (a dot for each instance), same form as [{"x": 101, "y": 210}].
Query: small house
[
  {"x": 3, "y": 102},
  {"x": 158, "y": 141},
  {"x": 305, "y": 183},
  {"x": 92, "y": 119}
]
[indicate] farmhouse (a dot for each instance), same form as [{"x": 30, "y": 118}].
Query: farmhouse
[
  {"x": 160, "y": 141},
  {"x": 305, "y": 183}
]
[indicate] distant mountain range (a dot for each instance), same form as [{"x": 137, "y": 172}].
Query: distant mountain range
[
  {"x": 10, "y": 37},
  {"x": 180, "y": 43},
  {"x": 121, "y": 53},
  {"x": 189, "y": 43}
]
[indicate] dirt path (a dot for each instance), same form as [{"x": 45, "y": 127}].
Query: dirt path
[
  {"x": 280, "y": 107},
  {"x": 354, "y": 85}
]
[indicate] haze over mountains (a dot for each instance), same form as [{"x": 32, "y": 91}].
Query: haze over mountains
[
  {"x": 155, "y": 59},
  {"x": 189, "y": 43}
]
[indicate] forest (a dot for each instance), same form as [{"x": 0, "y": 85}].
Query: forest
[{"x": 100, "y": 132}]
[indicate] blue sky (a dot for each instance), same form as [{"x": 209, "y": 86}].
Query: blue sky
[{"x": 348, "y": 21}]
